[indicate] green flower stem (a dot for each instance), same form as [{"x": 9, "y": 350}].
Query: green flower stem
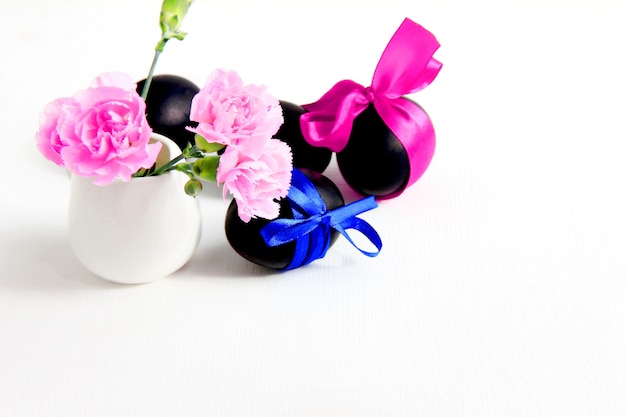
[
  {"x": 146, "y": 85},
  {"x": 189, "y": 152},
  {"x": 171, "y": 18},
  {"x": 167, "y": 167}
]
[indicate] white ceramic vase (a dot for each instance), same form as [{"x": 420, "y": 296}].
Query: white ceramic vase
[{"x": 138, "y": 231}]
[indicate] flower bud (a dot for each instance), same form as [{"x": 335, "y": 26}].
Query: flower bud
[
  {"x": 193, "y": 187},
  {"x": 206, "y": 168},
  {"x": 172, "y": 14}
]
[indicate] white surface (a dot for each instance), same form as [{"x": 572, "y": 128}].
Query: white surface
[{"x": 500, "y": 288}]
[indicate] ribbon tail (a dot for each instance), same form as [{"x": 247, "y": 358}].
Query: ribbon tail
[
  {"x": 328, "y": 121},
  {"x": 344, "y": 218},
  {"x": 366, "y": 230},
  {"x": 343, "y": 213},
  {"x": 323, "y": 130},
  {"x": 428, "y": 74},
  {"x": 331, "y": 97},
  {"x": 407, "y": 64}
]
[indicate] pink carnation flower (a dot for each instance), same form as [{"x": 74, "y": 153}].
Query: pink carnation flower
[
  {"x": 100, "y": 132},
  {"x": 256, "y": 173},
  {"x": 229, "y": 112},
  {"x": 53, "y": 119}
]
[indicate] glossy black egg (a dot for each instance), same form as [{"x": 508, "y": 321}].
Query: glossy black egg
[
  {"x": 246, "y": 239},
  {"x": 374, "y": 162},
  {"x": 168, "y": 105},
  {"x": 304, "y": 155}
]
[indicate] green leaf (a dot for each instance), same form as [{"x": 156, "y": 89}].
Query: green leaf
[
  {"x": 190, "y": 151},
  {"x": 206, "y": 168},
  {"x": 206, "y": 146}
]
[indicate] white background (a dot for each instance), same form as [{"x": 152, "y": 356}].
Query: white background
[{"x": 500, "y": 288}]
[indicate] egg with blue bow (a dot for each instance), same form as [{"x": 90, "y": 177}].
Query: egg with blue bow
[
  {"x": 311, "y": 217},
  {"x": 246, "y": 238}
]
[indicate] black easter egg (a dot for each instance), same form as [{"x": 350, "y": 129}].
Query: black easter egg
[
  {"x": 304, "y": 155},
  {"x": 168, "y": 105},
  {"x": 246, "y": 239},
  {"x": 374, "y": 162}
]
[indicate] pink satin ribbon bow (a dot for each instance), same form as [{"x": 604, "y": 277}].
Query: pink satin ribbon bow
[{"x": 406, "y": 66}]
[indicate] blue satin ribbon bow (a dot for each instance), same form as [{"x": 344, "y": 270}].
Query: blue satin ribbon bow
[{"x": 312, "y": 223}]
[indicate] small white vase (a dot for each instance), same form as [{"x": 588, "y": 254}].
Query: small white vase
[{"x": 138, "y": 231}]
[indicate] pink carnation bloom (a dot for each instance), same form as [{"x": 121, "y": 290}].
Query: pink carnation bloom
[
  {"x": 256, "y": 173},
  {"x": 53, "y": 119},
  {"x": 100, "y": 132},
  {"x": 229, "y": 112}
]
